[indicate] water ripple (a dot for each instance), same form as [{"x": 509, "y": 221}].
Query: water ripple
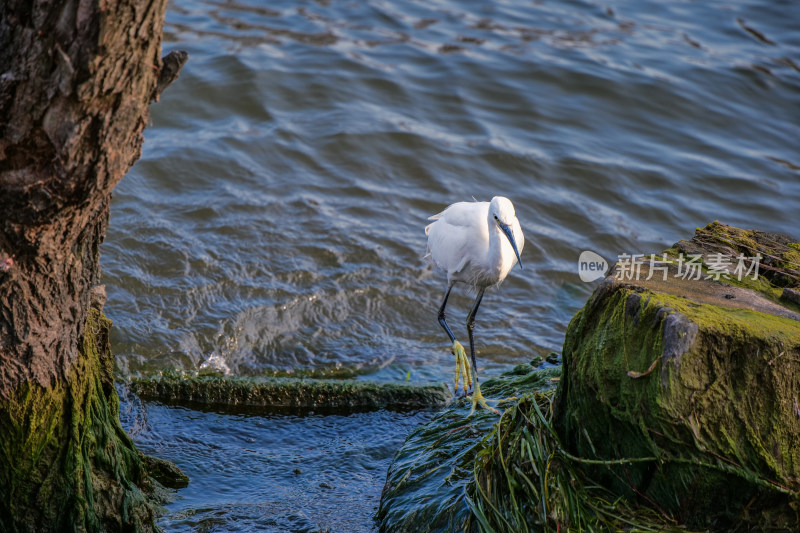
[{"x": 274, "y": 223}]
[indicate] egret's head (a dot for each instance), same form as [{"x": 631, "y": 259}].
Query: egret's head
[{"x": 501, "y": 212}]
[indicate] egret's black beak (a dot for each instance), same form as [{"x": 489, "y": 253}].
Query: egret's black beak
[{"x": 510, "y": 234}]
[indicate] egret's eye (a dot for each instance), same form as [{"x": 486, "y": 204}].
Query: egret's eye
[{"x": 495, "y": 217}]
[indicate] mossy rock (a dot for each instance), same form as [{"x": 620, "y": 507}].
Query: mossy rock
[
  {"x": 702, "y": 377},
  {"x": 780, "y": 254},
  {"x": 259, "y": 395},
  {"x": 167, "y": 473},
  {"x": 428, "y": 484}
]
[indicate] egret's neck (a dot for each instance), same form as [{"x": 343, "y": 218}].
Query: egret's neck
[
  {"x": 496, "y": 236},
  {"x": 501, "y": 252}
]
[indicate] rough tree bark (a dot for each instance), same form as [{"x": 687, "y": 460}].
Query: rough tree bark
[{"x": 76, "y": 78}]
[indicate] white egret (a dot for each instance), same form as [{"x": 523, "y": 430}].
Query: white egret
[{"x": 476, "y": 243}]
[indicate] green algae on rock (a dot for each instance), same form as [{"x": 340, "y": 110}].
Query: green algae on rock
[
  {"x": 700, "y": 375},
  {"x": 253, "y": 395},
  {"x": 779, "y": 265},
  {"x": 427, "y": 484},
  {"x": 478, "y": 473},
  {"x": 165, "y": 472},
  {"x": 525, "y": 480},
  {"x": 82, "y": 475}
]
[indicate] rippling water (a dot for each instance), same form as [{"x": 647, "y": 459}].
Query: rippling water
[
  {"x": 275, "y": 221},
  {"x": 275, "y": 472}
]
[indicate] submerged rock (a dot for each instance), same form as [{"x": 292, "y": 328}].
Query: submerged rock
[
  {"x": 167, "y": 473},
  {"x": 702, "y": 376},
  {"x": 275, "y": 394}
]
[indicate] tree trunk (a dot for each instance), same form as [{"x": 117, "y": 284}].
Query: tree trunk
[{"x": 76, "y": 79}]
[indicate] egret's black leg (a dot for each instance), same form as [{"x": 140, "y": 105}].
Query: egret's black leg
[
  {"x": 462, "y": 363},
  {"x": 471, "y": 327},
  {"x": 477, "y": 398},
  {"x": 442, "y": 320}
]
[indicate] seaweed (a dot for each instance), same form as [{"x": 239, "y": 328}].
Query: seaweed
[{"x": 67, "y": 463}]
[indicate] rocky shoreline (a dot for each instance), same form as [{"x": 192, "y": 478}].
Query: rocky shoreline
[{"x": 676, "y": 407}]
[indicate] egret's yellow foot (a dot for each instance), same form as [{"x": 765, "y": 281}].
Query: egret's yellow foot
[
  {"x": 463, "y": 368},
  {"x": 478, "y": 399}
]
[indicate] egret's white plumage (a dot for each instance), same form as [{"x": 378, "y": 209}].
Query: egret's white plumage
[
  {"x": 476, "y": 243},
  {"x": 466, "y": 241}
]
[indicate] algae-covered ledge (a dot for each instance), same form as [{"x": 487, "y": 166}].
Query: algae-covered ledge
[{"x": 254, "y": 395}]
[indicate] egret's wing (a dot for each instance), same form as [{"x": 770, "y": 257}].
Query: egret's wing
[
  {"x": 465, "y": 214},
  {"x": 435, "y": 217},
  {"x": 452, "y": 235},
  {"x": 428, "y": 227},
  {"x": 447, "y": 246}
]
